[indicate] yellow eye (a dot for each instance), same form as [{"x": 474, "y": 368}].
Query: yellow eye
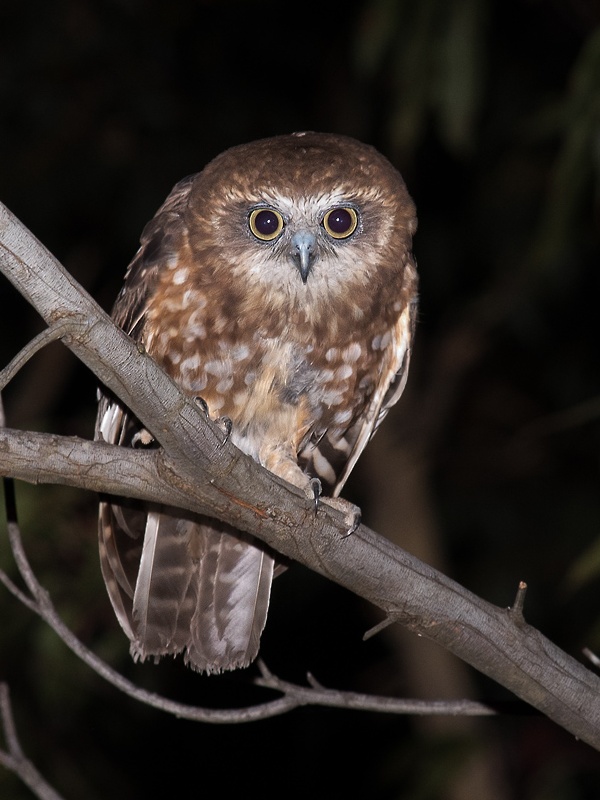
[
  {"x": 265, "y": 223},
  {"x": 340, "y": 222}
]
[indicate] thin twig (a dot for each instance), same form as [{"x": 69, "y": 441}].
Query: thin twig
[
  {"x": 516, "y": 609},
  {"x": 316, "y": 694},
  {"x": 576, "y": 416},
  {"x": 13, "y": 757},
  {"x": 385, "y": 623},
  {"x": 8, "y": 723},
  {"x": 57, "y": 330},
  {"x": 293, "y": 696}
]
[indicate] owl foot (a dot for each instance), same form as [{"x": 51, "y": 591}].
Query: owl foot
[
  {"x": 224, "y": 423},
  {"x": 142, "y": 438},
  {"x": 352, "y": 514}
]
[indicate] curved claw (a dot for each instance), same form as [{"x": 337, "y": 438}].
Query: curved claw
[
  {"x": 200, "y": 401},
  {"x": 226, "y": 426},
  {"x": 313, "y": 492},
  {"x": 353, "y": 523}
]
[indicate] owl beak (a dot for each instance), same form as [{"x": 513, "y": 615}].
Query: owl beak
[{"x": 303, "y": 252}]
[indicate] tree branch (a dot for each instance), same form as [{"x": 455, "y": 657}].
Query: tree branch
[{"x": 198, "y": 471}]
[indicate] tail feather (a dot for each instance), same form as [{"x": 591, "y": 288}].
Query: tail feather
[
  {"x": 198, "y": 590},
  {"x": 118, "y": 585},
  {"x": 233, "y": 599},
  {"x": 164, "y": 592}
]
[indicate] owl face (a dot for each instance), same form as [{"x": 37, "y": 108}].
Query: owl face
[
  {"x": 307, "y": 249},
  {"x": 303, "y": 238}
]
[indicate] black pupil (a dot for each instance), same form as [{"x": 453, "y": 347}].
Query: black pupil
[
  {"x": 340, "y": 220},
  {"x": 266, "y": 222}
]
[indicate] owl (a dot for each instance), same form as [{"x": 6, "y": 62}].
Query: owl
[{"x": 278, "y": 285}]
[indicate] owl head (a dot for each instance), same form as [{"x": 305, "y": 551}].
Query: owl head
[{"x": 302, "y": 218}]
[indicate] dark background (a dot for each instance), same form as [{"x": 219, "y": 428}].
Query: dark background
[{"x": 487, "y": 468}]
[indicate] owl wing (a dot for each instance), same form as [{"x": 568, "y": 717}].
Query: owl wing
[
  {"x": 164, "y": 237},
  {"x": 121, "y": 528},
  {"x": 331, "y": 455},
  {"x": 190, "y": 585}
]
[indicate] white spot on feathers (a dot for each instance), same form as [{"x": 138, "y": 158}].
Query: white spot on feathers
[
  {"x": 344, "y": 372},
  {"x": 180, "y": 276}
]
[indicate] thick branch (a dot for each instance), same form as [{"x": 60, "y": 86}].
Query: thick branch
[{"x": 194, "y": 469}]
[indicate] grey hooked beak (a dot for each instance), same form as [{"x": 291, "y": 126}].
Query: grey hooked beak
[{"x": 303, "y": 252}]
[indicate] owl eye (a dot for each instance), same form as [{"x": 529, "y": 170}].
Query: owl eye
[
  {"x": 265, "y": 223},
  {"x": 340, "y": 222}
]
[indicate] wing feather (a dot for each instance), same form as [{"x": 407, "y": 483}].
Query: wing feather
[
  {"x": 162, "y": 238},
  {"x": 388, "y": 391},
  {"x": 233, "y": 598}
]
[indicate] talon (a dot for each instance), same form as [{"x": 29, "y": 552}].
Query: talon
[
  {"x": 200, "y": 401},
  {"x": 353, "y": 521},
  {"x": 226, "y": 426},
  {"x": 313, "y": 492},
  {"x": 352, "y": 514}
]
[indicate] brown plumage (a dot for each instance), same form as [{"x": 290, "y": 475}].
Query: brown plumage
[{"x": 277, "y": 284}]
